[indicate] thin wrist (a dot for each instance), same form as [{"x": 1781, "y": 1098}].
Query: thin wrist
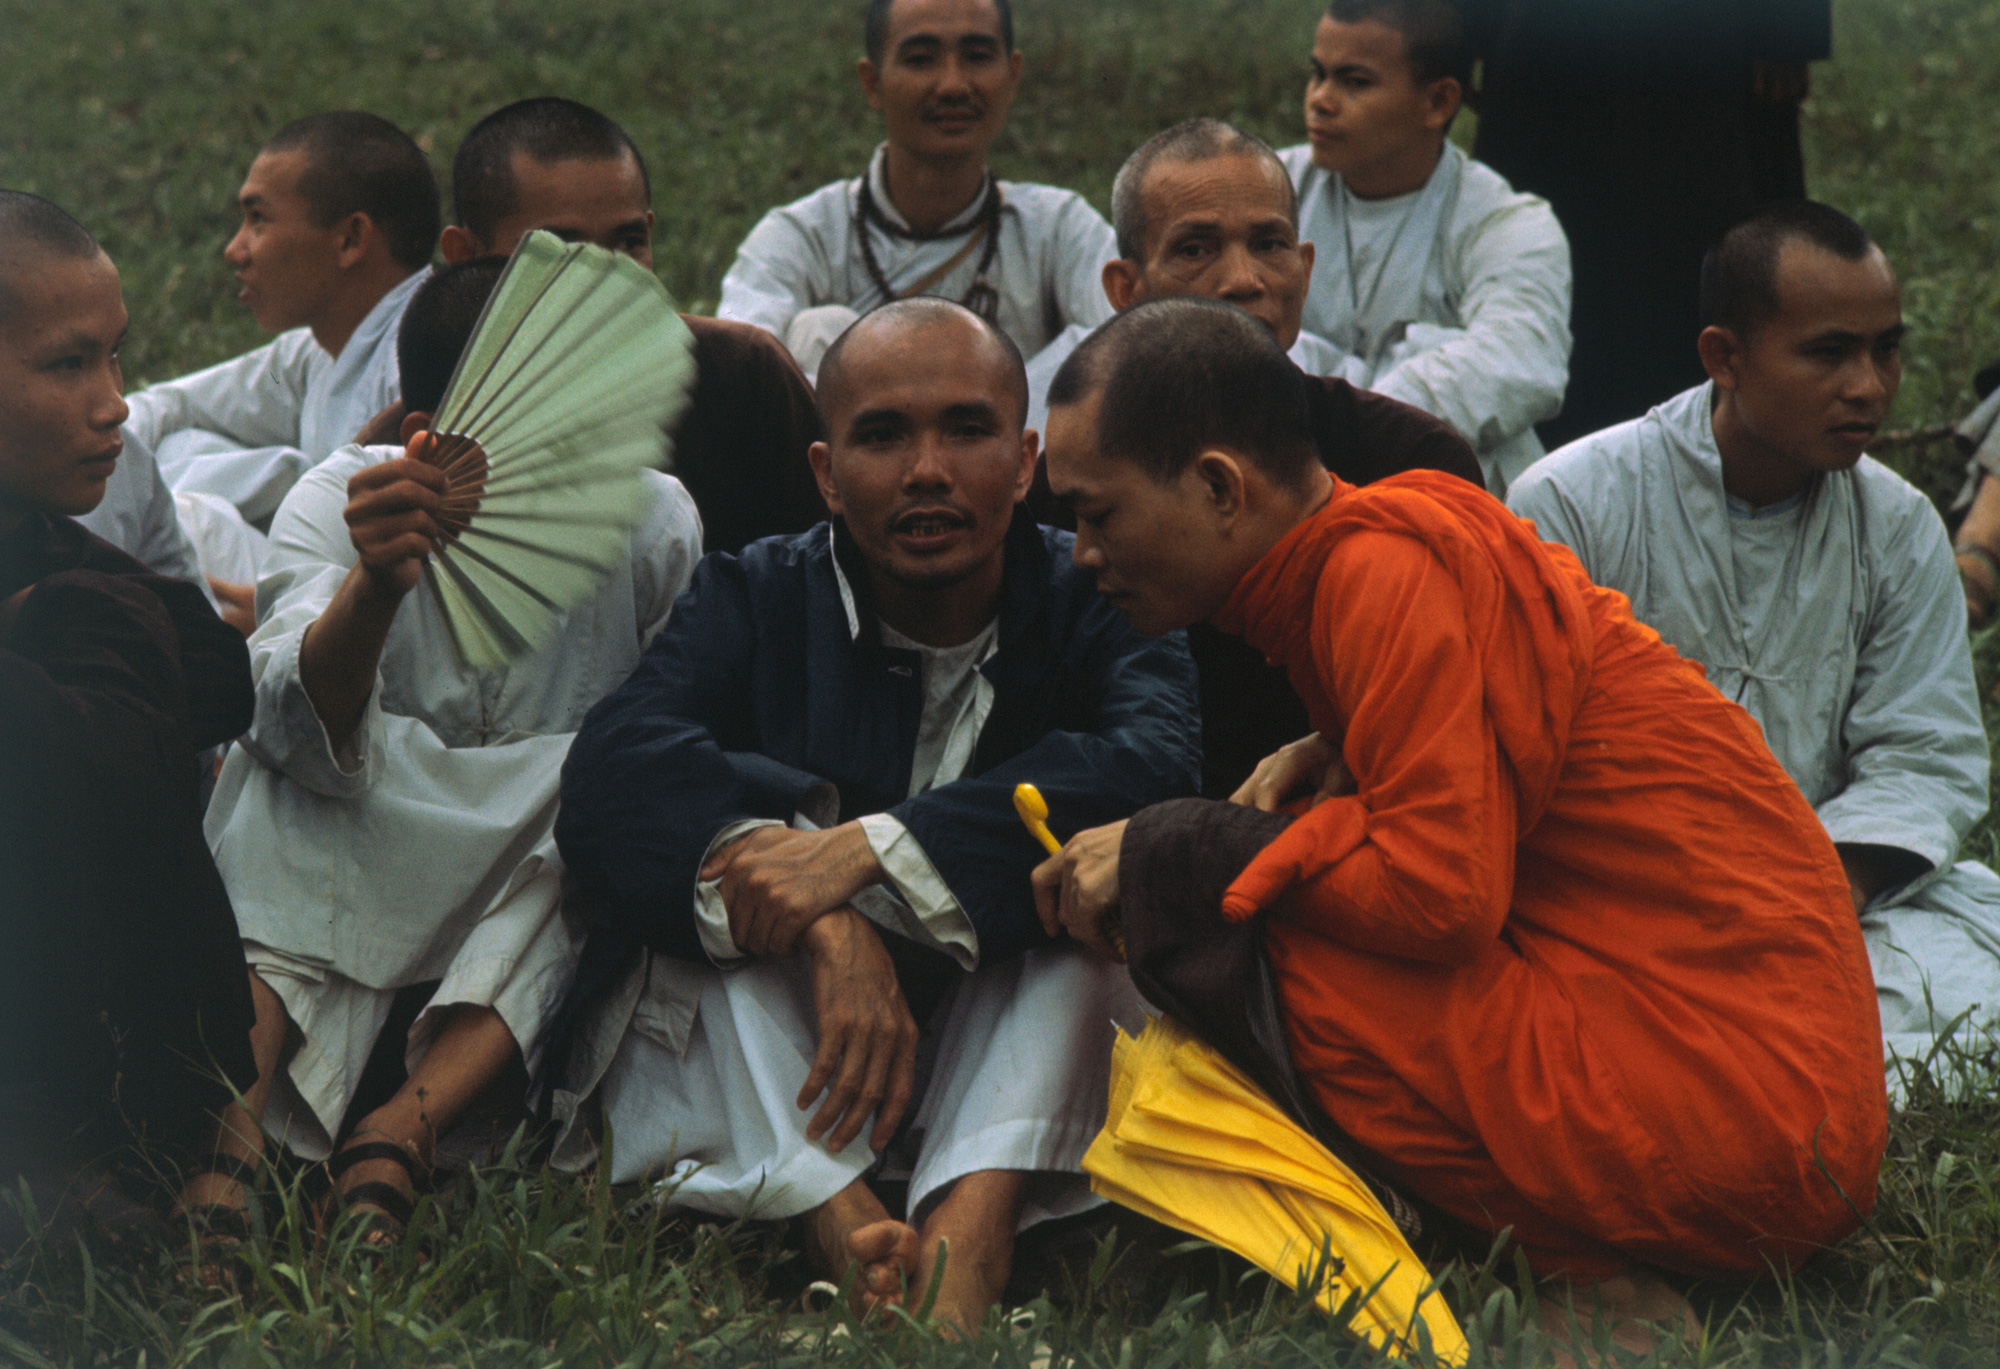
[
  {"x": 830, "y": 930},
  {"x": 864, "y": 866}
]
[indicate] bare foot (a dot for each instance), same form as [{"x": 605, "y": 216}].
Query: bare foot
[
  {"x": 830, "y": 1225},
  {"x": 1640, "y": 1308},
  {"x": 892, "y": 1270}
]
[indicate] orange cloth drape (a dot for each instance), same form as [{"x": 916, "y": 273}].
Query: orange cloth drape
[{"x": 1577, "y": 958}]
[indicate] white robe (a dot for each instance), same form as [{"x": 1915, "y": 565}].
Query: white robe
[
  {"x": 1456, "y": 300},
  {"x": 246, "y": 429},
  {"x": 1838, "y": 622},
  {"x": 698, "y": 1069},
  {"x": 424, "y": 849},
  {"x": 1047, "y": 270}
]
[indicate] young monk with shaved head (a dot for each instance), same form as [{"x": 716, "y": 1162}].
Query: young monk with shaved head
[
  {"x": 814, "y": 960},
  {"x": 121, "y": 980},
  {"x": 1206, "y": 209},
  {"x": 340, "y": 215},
  {"x": 1555, "y": 940},
  {"x": 740, "y": 448}
]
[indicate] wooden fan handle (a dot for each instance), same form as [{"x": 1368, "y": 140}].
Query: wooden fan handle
[{"x": 463, "y": 462}]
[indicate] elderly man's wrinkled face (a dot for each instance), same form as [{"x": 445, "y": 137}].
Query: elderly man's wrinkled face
[
  {"x": 1813, "y": 381},
  {"x": 946, "y": 79},
  {"x": 1221, "y": 227},
  {"x": 61, "y": 386},
  {"x": 925, "y": 457}
]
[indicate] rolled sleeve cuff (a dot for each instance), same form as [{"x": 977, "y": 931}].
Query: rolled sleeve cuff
[
  {"x": 296, "y": 741},
  {"x": 927, "y": 913},
  {"x": 711, "y": 918}
]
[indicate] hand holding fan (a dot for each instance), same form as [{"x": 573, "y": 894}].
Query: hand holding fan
[{"x": 560, "y": 402}]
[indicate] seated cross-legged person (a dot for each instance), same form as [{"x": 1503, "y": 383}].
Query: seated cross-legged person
[
  {"x": 123, "y": 1012},
  {"x": 1207, "y": 209},
  {"x": 794, "y": 833},
  {"x": 386, "y": 821},
  {"x": 740, "y": 448},
  {"x": 340, "y": 213},
  {"x": 1815, "y": 585},
  {"x": 1559, "y": 947},
  {"x": 1435, "y": 282},
  {"x": 927, "y": 217}
]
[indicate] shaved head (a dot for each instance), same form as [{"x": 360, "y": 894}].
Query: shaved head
[
  {"x": 897, "y": 319},
  {"x": 32, "y": 230}
]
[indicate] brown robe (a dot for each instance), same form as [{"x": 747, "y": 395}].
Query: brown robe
[
  {"x": 124, "y": 1000},
  {"x": 741, "y": 447}
]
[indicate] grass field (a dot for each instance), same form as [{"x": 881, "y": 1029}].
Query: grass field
[{"x": 141, "y": 117}]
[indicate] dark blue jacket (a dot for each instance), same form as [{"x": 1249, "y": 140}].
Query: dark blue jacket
[{"x": 756, "y": 692}]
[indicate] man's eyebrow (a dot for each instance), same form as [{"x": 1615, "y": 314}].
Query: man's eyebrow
[
  {"x": 1353, "y": 69},
  {"x": 249, "y": 198},
  {"x": 1839, "y": 337},
  {"x": 632, "y": 225},
  {"x": 981, "y": 410},
  {"x": 873, "y": 417}
]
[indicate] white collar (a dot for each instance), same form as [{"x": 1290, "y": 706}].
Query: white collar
[{"x": 878, "y": 188}]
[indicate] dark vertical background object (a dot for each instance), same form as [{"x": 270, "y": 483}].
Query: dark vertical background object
[{"x": 1651, "y": 126}]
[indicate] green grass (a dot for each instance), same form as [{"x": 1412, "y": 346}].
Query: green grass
[{"x": 141, "y": 117}]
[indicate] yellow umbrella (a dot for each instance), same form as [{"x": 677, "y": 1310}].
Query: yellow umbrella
[{"x": 1191, "y": 1142}]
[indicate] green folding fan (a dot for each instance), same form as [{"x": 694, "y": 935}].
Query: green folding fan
[{"x": 559, "y": 404}]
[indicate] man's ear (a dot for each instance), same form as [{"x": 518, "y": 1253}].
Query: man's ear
[
  {"x": 1222, "y": 475},
  {"x": 1442, "y": 98},
  {"x": 457, "y": 244},
  {"x": 1721, "y": 355},
  {"x": 1024, "y": 477},
  {"x": 821, "y": 457},
  {"x": 1306, "y": 255},
  {"x": 356, "y": 236},
  {"x": 414, "y": 423},
  {"x": 1121, "y": 283},
  {"x": 871, "y": 83}
]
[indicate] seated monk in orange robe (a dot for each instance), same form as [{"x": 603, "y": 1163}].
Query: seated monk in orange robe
[{"x": 1555, "y": 940}]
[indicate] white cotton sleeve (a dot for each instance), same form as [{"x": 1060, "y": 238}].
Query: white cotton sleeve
[
  {"x": 1504, "y": 369},
  {"x": 929, "y": 914},
  {"x": 307, "y": 560},
  {"x": 1084, "y": 243},
  {"x": 254, "y": 399},
  {"x": 711, "y": 917},
  {"x": 780, "y": 269}
]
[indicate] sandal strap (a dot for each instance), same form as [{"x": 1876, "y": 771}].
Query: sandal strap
[
  {"x": 388, "y": 1197},
  {"x": 347, "y": 1159}
]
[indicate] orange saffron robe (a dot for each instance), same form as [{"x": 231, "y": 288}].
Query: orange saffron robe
[{"x": 1578, "y": 958}]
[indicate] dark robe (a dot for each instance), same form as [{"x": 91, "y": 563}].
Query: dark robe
[
  {"x": 124, "y": 999},
  {"x": 1247, "y": 708},
  {"x": 1639, "y": 123},
  {"x": 741, "y": 447}
]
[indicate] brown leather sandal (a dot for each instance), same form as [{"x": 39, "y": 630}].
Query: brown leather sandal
[{"x": 385, "y": 1226}]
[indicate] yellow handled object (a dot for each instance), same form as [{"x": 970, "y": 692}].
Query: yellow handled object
[{"x": 1034, "y": 811}]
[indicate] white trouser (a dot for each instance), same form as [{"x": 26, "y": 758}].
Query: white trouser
[
  {"x": 517, "y": 960},
  {"x": 1020, "y": 1081},
  {"x": 1936, "y": 955},
  {"x": 813, "y": 330}
]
